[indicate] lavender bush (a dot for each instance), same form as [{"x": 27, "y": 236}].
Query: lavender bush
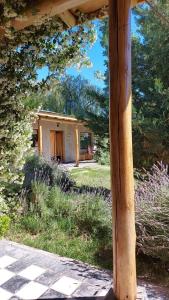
[
  {"x": 37, "y": 169},
  {"x": 152, "y": 213}
]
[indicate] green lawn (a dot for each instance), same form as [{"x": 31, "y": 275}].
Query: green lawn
[
  {"x": 92, "y": 176},
  {"x": 72, "y": 225},
  {"x": 61, "y": 228},
  {"x": 56, "y": 240}
]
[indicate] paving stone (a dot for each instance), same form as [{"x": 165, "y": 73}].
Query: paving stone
[
  {"x": 12, "y": 249},
  {"x": 5, "y": 295},
  {"x": 66, "y": 285},
  {"x": 32, "y": 290},
  {"x": 50, "y": 263},
  {"x": 51, "y": 294},
  {"x": 5, "y": 275},
  {"x": 48, "y": 278},
  {"x": 100, "y": 282},
  {"x": 14, "y": 284},
  {"x": 6, "y": 260},
  {"x": 32, "y": 272},
  {"x": 74, "y": 274},
  {"x": 18, "y": 253},
  {"x": 86, "y": 290},
  {"x": 103, "y": 292},
  {"x": 18, "y": 266}
]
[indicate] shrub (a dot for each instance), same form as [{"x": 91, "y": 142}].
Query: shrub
[
  {"x": 63, "y": 179},
  {"x": 4, "y": 224},
  {"x": 59, "y": 203},
  {"x": 38, "y": 198},
  {"x": 102, "y": 156},
  {"x": 11, "y": 196},
  {"x": 3, "y": 206},
  {"x": 31, "y": 223},
  {"x": 93, "y": 216},
  {"x": 152, "y": 211},
  {"x": 37, "y": 169}
]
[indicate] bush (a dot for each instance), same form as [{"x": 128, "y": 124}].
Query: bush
[
  {"x": 31, "y": 223},
  {"x": 3, "y": 206},
  {"x": 11, "y": 196},
  {"x": 102, "y": 156},
  {"x": 92, "y": 216},
  {"x": 59, "y": 203},
  {"x": 152, "y": 211},
  {"x": 37, "y": 169},
  {"x": 38, "y": 197},
  {"x": 4, "y": 224}
]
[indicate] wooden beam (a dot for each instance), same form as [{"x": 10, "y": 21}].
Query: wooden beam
[
  {"x": 40, "y": 146},
  {"x": 43, "y": 10},
  {"x": 56, "y": 121},
  {"x": 92, "y": 6},
  {"x": 77, "y": 146},
  {"x": 68, "y": 18},
  {"x": 122, "y": 182},
  {"x": 136, "y": 2}
]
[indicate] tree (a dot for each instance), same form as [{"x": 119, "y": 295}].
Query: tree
[
  {"x": 151, "y": 84},
  {"x": 98, "y": 120},
  {"x": 50, "y": 44},
  {"x": 150, "y": 69},
  {"x": 68, "y": 96}
]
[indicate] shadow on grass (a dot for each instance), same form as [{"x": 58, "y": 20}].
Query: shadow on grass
[{"x": 97, "y": 191}]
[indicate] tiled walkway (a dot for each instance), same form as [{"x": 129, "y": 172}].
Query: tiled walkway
[{"x": 28, "y": 273}]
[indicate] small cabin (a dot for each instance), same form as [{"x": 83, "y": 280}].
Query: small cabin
[{"x": 62, "y": 138}]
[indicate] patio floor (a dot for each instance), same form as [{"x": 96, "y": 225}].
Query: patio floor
[
  {"x": 82, "y": 164},
  {"x": 28, "y": 273}
]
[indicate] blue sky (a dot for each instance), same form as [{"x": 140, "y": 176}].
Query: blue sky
[{"x": 96, "y": 56}]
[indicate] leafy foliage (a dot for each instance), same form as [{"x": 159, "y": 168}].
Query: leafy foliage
[
  {"x": 75, "y": 214},
  {"x": 151, "y": 85},
  {"x": 4, "y": 224},
  {"x": 102, "y": 154},
  {"x": 70, "y": 95},
  {"x": 22, "y": 55},
  {"x": 37, "y": 169}
]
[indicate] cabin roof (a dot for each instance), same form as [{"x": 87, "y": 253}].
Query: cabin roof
[{"x": 49, "y": 115}]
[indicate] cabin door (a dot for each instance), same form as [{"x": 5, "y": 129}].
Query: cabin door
[{"x": 56, "y": 145}]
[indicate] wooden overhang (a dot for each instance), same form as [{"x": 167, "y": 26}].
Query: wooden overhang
[
  {"x": 67, "y": 10},
  {"x": 58, "y": 118}
]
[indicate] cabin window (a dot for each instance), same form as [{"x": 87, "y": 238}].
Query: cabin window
[
  {"x": 35, "y": 138},
  {"x": 85, "y": 140}
]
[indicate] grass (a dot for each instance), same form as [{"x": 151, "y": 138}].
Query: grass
[
  {"x": 79, "y": 225},
  {"x": 92, "y": 176},
  {"x": 69, "y": 224},
  {"x": 55, "y": 240}
]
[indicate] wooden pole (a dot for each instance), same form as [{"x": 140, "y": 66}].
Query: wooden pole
[
  {"x": 40, "y": 137},
  {"x": 122, "y": 182},
  {"x": 77, "y": 146}
]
